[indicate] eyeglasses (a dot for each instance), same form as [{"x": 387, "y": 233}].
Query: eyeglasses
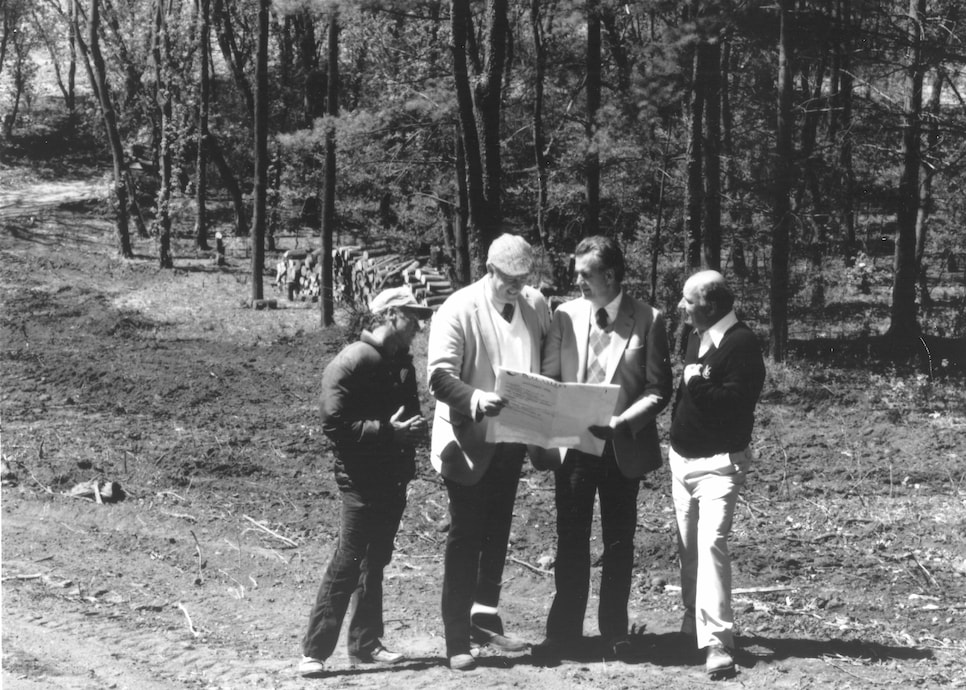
[{"x": 517, "y": 281}]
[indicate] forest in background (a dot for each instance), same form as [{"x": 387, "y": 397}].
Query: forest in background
[{"x": 813, "y": 150}]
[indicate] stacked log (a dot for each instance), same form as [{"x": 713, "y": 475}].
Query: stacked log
[{"x": 358, "y": 274}]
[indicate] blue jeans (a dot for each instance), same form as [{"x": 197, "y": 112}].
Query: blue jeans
[
  {"x": 476, "y": 546},
  {"x": 578, "y": 481},
  {"x": 369, "y": 524}
]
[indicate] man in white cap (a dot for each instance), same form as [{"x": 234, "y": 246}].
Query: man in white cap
[
  {"x": 496, "y": 321},
  {"x": 370, "y": 413}
]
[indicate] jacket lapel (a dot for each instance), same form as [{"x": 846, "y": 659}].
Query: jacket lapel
[
  {"x": 581, "y": 319},
  {"x": 484, "y": 324},
  {"x": 623, "y": 327}
]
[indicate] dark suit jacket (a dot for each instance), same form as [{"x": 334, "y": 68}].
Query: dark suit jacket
[
  {"x": 637, "y": 361},
  {"x": 463, "y": 356}
]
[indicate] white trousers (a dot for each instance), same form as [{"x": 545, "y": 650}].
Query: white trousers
[{"x": 705, "y": 492}]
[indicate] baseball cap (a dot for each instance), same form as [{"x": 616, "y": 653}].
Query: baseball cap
[
  {"x": 511, "y": 254},
  {"x": 401, "y": 298}
]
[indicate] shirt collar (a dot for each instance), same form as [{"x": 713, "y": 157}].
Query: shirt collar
[
  {"x": 613, "y": 307},
  {"x": 721, "y": 326}
]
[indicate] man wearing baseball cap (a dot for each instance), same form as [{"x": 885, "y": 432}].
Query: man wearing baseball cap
[
  {"x": 370, "y": 412},
  {"x": 497, "y": 321}
]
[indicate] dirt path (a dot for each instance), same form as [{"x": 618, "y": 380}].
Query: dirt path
[{"x": 849, "y": 549}]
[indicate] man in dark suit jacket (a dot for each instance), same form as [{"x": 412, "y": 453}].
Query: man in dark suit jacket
[
  {"x": 606, "y": 336},
  {"x": 496, "y": 321}
]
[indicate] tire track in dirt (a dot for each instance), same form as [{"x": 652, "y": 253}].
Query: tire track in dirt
[{"x": 82, "y": 650}]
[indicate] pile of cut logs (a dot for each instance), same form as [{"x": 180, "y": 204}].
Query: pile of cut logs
[{"x": 358, "y": 274}]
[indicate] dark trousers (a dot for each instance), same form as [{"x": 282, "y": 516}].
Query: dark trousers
[
  {"x": 369, "y": 524},
  {"x": 577, "y": 481},
  {"x": 476, "y": 545}
]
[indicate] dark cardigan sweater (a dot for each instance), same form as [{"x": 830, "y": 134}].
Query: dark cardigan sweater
[{"x": 715, "y": 412}]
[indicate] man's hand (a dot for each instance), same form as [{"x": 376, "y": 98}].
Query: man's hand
[
  {"x": 607, "y": 431},
  {"x": 407, "y": 432},
  {"x": 691, "y": 370},
  {"x": 490, "y": 404}
]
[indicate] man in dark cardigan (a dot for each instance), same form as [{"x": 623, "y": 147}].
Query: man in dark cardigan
[{"x": 712, "y": 420}]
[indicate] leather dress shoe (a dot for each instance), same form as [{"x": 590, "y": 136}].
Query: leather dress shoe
[
  {"x": 487, "y": 628},
  {"x": 720, "y": 662},
  {"x": 377, "y": 655},
  {"x": 553, "y": 649}
]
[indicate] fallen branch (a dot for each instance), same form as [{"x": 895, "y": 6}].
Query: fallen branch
[
  {"x": 191, "y": 627},
  {"x": 180, "y": 515},
  {"x": 201, "y": 564},
  {"x": 36, "y": 576},
  {"x": 274, "y": 534},
  {"x": 531, "y": 566}
]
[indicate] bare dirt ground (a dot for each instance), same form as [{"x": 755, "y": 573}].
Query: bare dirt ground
[{"x": 849, "y": 549}]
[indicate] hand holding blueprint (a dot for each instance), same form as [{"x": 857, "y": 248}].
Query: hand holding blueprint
[{"x": 549, "y": 413}]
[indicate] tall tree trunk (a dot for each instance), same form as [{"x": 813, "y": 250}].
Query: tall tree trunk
[
  {"x": 539, "y": 140},
  {"x": 489, "y": 100},
  {"x": 783, "y": 187},
  {"x": 231, "y": 184},
  {"x": 712, "y": 156},
  {"x": 695, "y": 156},
  {"x": 592, "y": 155},
  {"x": 843, "y": 99},
  {"x": 162, "y": 99},
  {"x": 461, "y": 245},
  {"x": 933, "y": 137},
  {"x": 259, "y": 215},
  {"x": 470, "y": 137},
  {"x": 480, "y": 114},
  {"x": 328, "y": 197},
  {"x": 204, "y": 97},
  {"x": 904, "y": 324},
  {"x": 97, "y": 73}
]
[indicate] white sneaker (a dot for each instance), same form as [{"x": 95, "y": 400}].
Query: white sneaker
[{"x": 310, "y": 667}]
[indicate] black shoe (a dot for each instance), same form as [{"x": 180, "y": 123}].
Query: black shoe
[
  {"x": 554, "y": 649},
  {"x": 487, "y": 628}
]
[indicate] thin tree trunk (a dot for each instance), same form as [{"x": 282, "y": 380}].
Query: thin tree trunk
[
  {"x": 231, "y": 184},
  {"x": 97, "y": 73},
  {"x": 933, "y": 137},
  {"x": 904, "y": 324},
  {"x": 783, "y": 187},
  {"x": 473, "y": 157},
  {"x": 328, "y": 198},
  {"x": 592, "y": 156},
  {"x": 461, "y": 243},
  {"x": 695, "y": 156},
  {"x": 539, "y": 141},
  {"x": 712, "y": 157},
  {"x": 204, "y": 97},
  {"x": 162, "y": 74},
  {"x": 259, "y": 217}
]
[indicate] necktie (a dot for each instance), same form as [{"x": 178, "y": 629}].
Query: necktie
[
  {"x": 601, "y": 318},
  {"x": 599, "y": 340},
  {"x": 507, "y": 312}
]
